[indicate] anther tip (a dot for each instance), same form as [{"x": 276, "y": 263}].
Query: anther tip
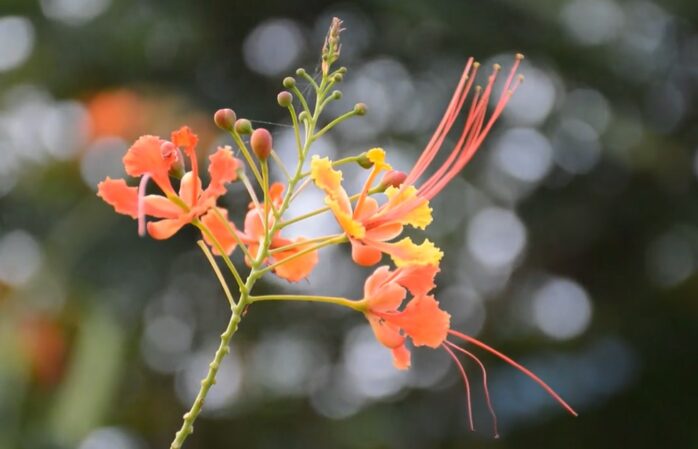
[
  {"x": 521, "y": 78},
  {"x": 476, "y": 64},
  {"x": 497, "y": 67},
  {"x": 519, "y": 56}
]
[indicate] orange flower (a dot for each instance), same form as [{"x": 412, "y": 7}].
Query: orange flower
[
  {"x": 294, "y": 270},
  {"x": 426, "y": 324},
  {"x": 153, "y": 158},
  {"x": 369, "y": 226},
  {"x": 421, "y": 319},
  {"x": 369, "y": 241}
]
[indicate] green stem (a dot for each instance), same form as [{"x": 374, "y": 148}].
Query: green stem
[
  {"x": 223, "y": 349},
  {"x": 359, "y": 306},
  {"x": 229, "y": 263},
  {"x": 334, "y": 122},
  {"x": 233, "y": 232},
  {"x": 338, "y": 162},
  {"x": 342, "y": 238},
  {"x": 217, "y": 271},
  {"x": 246, "y": 154}
]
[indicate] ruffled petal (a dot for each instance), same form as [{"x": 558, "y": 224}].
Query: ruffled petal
[
  {"x": 364, "y": 255},
  {"x": 185, "y": 138},
  {"x": 417, "y": 215},
  {"x": 276, "y": 194},
  {"x": 379, "y": 276},
  {"x": 298, "y": 268},
  {"x": 352, "y": 227},
  {"x": 164, "y": 229},
  {"x": 220, "y": 231},
  {"x": 418, "y": 279},
  {"x": 377, "y": 157},
  {"x": 423, "y": 321},
  {"x": 223, "y": 168},
  {"x": 145, "y": 156},
  {"x": 120, "y": 196},
  {"x": 406, "y": 252},
  {"x": 254, "y": 227}
]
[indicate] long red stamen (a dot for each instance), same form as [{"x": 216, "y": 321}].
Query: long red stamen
[
  {"x": 484, "y": 384},
  {"x": 444, "y": 126},
  {"x": 518, "y": 366},
  {"x": 141, "y": 203},
  {"x": 195, "y": 173},
  {"x": 466, "y": 382}
]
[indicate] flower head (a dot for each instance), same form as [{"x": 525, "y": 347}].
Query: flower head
[{"x": 151, "y": 157}]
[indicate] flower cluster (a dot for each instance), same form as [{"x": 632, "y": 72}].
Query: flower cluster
[{"x": 398, "y": 301}]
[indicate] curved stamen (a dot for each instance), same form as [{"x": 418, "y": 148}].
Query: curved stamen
[
  {"x": 141, "y": 203},
  {"x": 466, "y": 382},
  {"x": 518, "y": 366},
  {"x": 484, "y": 384}
]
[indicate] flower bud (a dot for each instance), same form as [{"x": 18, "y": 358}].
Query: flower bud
[
  {"x": 261, "y": 143},
  {"x": 364, "y": 161},
  {"x": 289, "y": 82},
  {"x": 360, "y": 109},
  {"x": 300, "y": 72},
  {"x": 338, "y": 77},
  {"x": 171, "y": 154},
  {"x": 243, "y": 126},
  {"x": 224, "y": 119},
  {"x": 284, "y": 99},
  {"x": 392, "y": 178},
  {"x": 336, "y": 95}
]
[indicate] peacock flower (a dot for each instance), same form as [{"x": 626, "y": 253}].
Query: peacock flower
[
  {"x": 421, "y": 320},
  {"x": 151, "y": 157},
  {"x": 294, "y": 270},
  {"x": 368, "y": 226},
  {"x": 426, "y": 324},
  {"x": 369, "y": 240}
]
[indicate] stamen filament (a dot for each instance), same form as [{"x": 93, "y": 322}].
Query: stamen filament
[
  {"x": 217, "y": 271},
  {"x": 141, "y": 203},
  {"x": 466, "y": 382}
]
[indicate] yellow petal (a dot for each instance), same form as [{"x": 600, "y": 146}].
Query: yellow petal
[
  {"x": 352, "y": 227},
  {"x": 406, "y": 252},
  {"x": 420, "y": 216},
  {"x": 377, "y": 156},
  {"x": 324, "y": 176}
]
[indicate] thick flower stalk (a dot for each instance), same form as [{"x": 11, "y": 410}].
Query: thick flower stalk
[{"x": 399, "y": 303}]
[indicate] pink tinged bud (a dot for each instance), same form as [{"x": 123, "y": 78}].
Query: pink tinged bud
[
  {"x": 224, "y": 119},
  {"x": 173, "y": 156},
  {"x": 284, "y": 99},
  {"x": 360, "y": 109},
  {"x": 393, "y": 178},
  {"x": 243, "y": 126},
  {"x": 261, "y": 143}
]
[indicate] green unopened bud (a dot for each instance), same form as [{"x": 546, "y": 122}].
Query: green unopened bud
[
  {"x": 342, "y": 70},
  {"x": 300, "y": 72},
  {"x": 224, "y": 119},
  {"x": 284, "y": 99},
  {"x": 336, "y": 95},
  {"x": 364, "y": 161},
  {"x": 243, "y": 126},
  {"x": 261, "y": 143},
  {"x": 289, "y": 82},
  {"x": 360, "y": 109},
  {"x": 338, "y": 77},
  {"x": 392, "y": 178}
]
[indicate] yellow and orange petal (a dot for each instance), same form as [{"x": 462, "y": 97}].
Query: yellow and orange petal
[
  {"x": 377, "y": 157},
  {"x": 418, "y": 279},
  {"x": 423, "y": 321},
  {"x": 405, "y": 252},
  {"x": 124, "y": 200},
  {"x": 352, "y": 227},
  {"x": 419, "y": 216},
  {"x": 386, "y": 333},
  {"x": 324, "y": 176},
  {"x": 164, "y": 229}
]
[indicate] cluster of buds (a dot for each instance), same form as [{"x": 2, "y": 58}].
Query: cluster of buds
[{"x": 398, "y": 300}]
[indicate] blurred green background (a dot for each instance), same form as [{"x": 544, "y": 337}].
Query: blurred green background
[{"x": 571, "y": 239}]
